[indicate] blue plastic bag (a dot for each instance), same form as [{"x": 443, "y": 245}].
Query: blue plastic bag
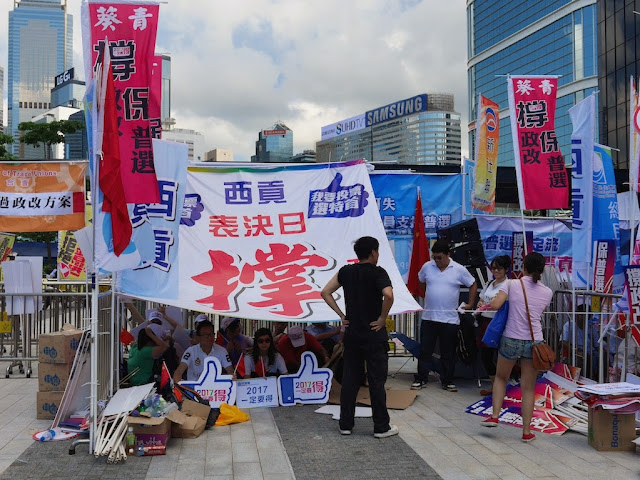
[{"x": 495, "y": 328}]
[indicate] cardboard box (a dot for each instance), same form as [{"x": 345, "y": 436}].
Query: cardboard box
[
  {"x": 59, "y": 347},
  {"x": 611, "y": 432},
  {"x": 190, "y": 420},
  {"x": 47, "y": 404},
  {"x": 53, "y": 376},
  {"x": 151, "y": 431}
]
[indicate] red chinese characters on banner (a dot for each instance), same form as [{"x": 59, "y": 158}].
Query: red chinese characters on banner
[
  {"x": 257, "y": 225},
  {"x": 632, "y": 287},
  {"x": 282, "y": 275},
  {"x": 542, "y": 177},
  {"x": 130, "y": 31}
]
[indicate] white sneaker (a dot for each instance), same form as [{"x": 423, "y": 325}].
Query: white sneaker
[
  {"x": 393, "y": 430},
  {"x": 345, "y": 432},
  {"x": 418, "y": 384}
]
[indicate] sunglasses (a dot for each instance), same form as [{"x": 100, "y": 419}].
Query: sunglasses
[
  {"x": 264, "y": 340},
  {"x": 497, "y": 268}
]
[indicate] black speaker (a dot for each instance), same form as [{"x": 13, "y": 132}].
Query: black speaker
[
  {"x": 461, "y": 232},
  {"x": 469, "y": 254}
]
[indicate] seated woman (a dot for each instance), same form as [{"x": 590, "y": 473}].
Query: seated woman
[
  {"x": 264, "y": 360},
  {"x": 142, "y": 354}
]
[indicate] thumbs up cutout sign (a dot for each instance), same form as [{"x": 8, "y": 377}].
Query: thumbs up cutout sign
[
  {"x": 213, "y": 385},
  {"x": 310, "y": 385}
]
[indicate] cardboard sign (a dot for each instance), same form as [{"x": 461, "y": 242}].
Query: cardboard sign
[
  {"x": 212, "y": 385},
  {"x": 310, "y": 385},
  {"x": 257, "y": 392}
]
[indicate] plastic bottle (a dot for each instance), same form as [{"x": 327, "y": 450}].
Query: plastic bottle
[
  {"x": 131, "y": 442},
  {"x": 48, "y": 435},
  {"x": 140, "y": 451}
]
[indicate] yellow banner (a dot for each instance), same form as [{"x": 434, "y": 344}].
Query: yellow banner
[
  {"x": 42, "y": 197},
  {"x": 483, "y": 196}
]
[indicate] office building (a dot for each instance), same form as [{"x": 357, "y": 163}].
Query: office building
[
  {"x": 166, "y": 87},
  {"x": 219, "y": 155},
  {"x": 40, "y": 47},
  {"x": 306, "y": 156},
  {"x": 274, "y": 144},
  {"x": 68, "y": 91},
  {"x": 421, "y": 130},
  {"x": 76, "y": 145},
  {"x": 195, "y": 141},
  {"x": 618, "y": 60},
  {"x": 58, "y": 151},
  {"x": 521, "y": 37},
  {"x": 1, "y": 100}
]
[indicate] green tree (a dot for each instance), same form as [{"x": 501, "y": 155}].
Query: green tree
[
  {"x": 4, "y": 153},
  {"x": 47, "y": 133}
]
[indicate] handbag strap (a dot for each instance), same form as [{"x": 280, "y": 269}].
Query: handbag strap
[{"x": 526, "y": 304}]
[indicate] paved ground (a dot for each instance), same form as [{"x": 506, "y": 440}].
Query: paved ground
[
  {"x": 435, "y": 429},
  {"x": 318, "y": 452}
]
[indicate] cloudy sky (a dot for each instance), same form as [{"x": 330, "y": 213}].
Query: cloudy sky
[{"x": 237, "y": 67}]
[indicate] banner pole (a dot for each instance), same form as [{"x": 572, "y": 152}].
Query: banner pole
[{"x": 524, "y": 232}]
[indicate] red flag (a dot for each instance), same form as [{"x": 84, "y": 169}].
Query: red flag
[
  {"x": 110, "y": 180},
  {"x": 419, "y": 252}
]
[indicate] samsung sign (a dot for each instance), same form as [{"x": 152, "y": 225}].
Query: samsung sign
[
  {"x": 396, "y": 110},
  {"x": 349, "y": 125}
]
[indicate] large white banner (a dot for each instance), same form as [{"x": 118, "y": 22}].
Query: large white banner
[
  {"x": 261, "y": 242},
  {"x": 583, "y": 118}
]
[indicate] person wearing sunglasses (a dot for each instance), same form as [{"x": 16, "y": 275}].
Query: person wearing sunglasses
[
  {"x": 193, "y": 360},
  {"x": 264, "y": 360},
  {"x": 500, "y": 269}
]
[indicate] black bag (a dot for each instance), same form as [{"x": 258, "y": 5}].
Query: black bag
[
  {"x": 466, "y": 349},
  {"x": 192, "y": 395}
]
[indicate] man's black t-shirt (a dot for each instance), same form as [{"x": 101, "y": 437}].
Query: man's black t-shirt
[{"x": 362, "y": 284}]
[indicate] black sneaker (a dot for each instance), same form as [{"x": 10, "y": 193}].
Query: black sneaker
[
  {"x": 449, "y": 387},
  {"x": 418, "y": 384}
]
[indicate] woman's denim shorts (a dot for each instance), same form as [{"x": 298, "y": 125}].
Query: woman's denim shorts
[{"x": 513, "y": 349}]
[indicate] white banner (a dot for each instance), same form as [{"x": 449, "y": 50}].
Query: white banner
[
  {"x": 583, "y": 119},
  {"x": 261, "y": 242}
]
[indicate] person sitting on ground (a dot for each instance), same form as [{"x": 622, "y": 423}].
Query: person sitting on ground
[
  {"x": 142, "y": 354},
  {"x": 293, "y": 344},
  {"x": 230, "y": 336},
  {"x": 327, "y": 335},
  {"x": 193, "y": 360},
  {"x": 278, "y": 331},
  {"x": 264, "y": 360}
]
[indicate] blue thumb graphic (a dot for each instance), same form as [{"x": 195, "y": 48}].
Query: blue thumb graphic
[{"x": 292, "y": 387}]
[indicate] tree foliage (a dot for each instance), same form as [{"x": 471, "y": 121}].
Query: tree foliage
[
  {"x": 4, "y": 153},
  {"x": 48, "y": 133}
]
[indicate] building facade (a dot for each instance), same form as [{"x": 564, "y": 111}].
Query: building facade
[
  {"x": 618, "y": 60},
  {"x": 520, "y": 37},
  {"x": 274, "y": 145},
  {"x": 421, "y": 130},
  {"x": 40, "y": 47},
  {"x": 166, "y": 87},
  {"x": 219, "y": 155},
  {"x": 2, "y": 101},
  {"x": 194, "y": 140}
]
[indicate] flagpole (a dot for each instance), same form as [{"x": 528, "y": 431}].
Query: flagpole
[{"x": 524, "y": 232}]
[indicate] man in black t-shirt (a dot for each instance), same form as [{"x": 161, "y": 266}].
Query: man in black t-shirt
[{"x": 368, "y": 297}]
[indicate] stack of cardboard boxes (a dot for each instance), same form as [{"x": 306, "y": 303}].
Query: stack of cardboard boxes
[{"x": 56, "y": 353}]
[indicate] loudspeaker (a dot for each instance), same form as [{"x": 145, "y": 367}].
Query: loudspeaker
[
  {"x": 461, "y": 232},
  {"x": 469, "y": 254}
]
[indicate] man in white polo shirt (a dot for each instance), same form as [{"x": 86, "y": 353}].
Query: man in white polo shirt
[{"x": 443, "y": 278}]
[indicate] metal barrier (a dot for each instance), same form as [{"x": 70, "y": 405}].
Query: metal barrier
[{"x": 608, "y": 360}]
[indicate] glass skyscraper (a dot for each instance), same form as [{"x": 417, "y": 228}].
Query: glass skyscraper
[
  {"x": 422, "y": 130},
  {"x": 523, "y": 37},
  {"x": 40, "y": 47},
  {"x": 618, "y": 60},
  {"x": 274, "y": 145}
]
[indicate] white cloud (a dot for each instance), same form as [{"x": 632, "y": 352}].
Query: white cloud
[{"x": 237, "y": 67}]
